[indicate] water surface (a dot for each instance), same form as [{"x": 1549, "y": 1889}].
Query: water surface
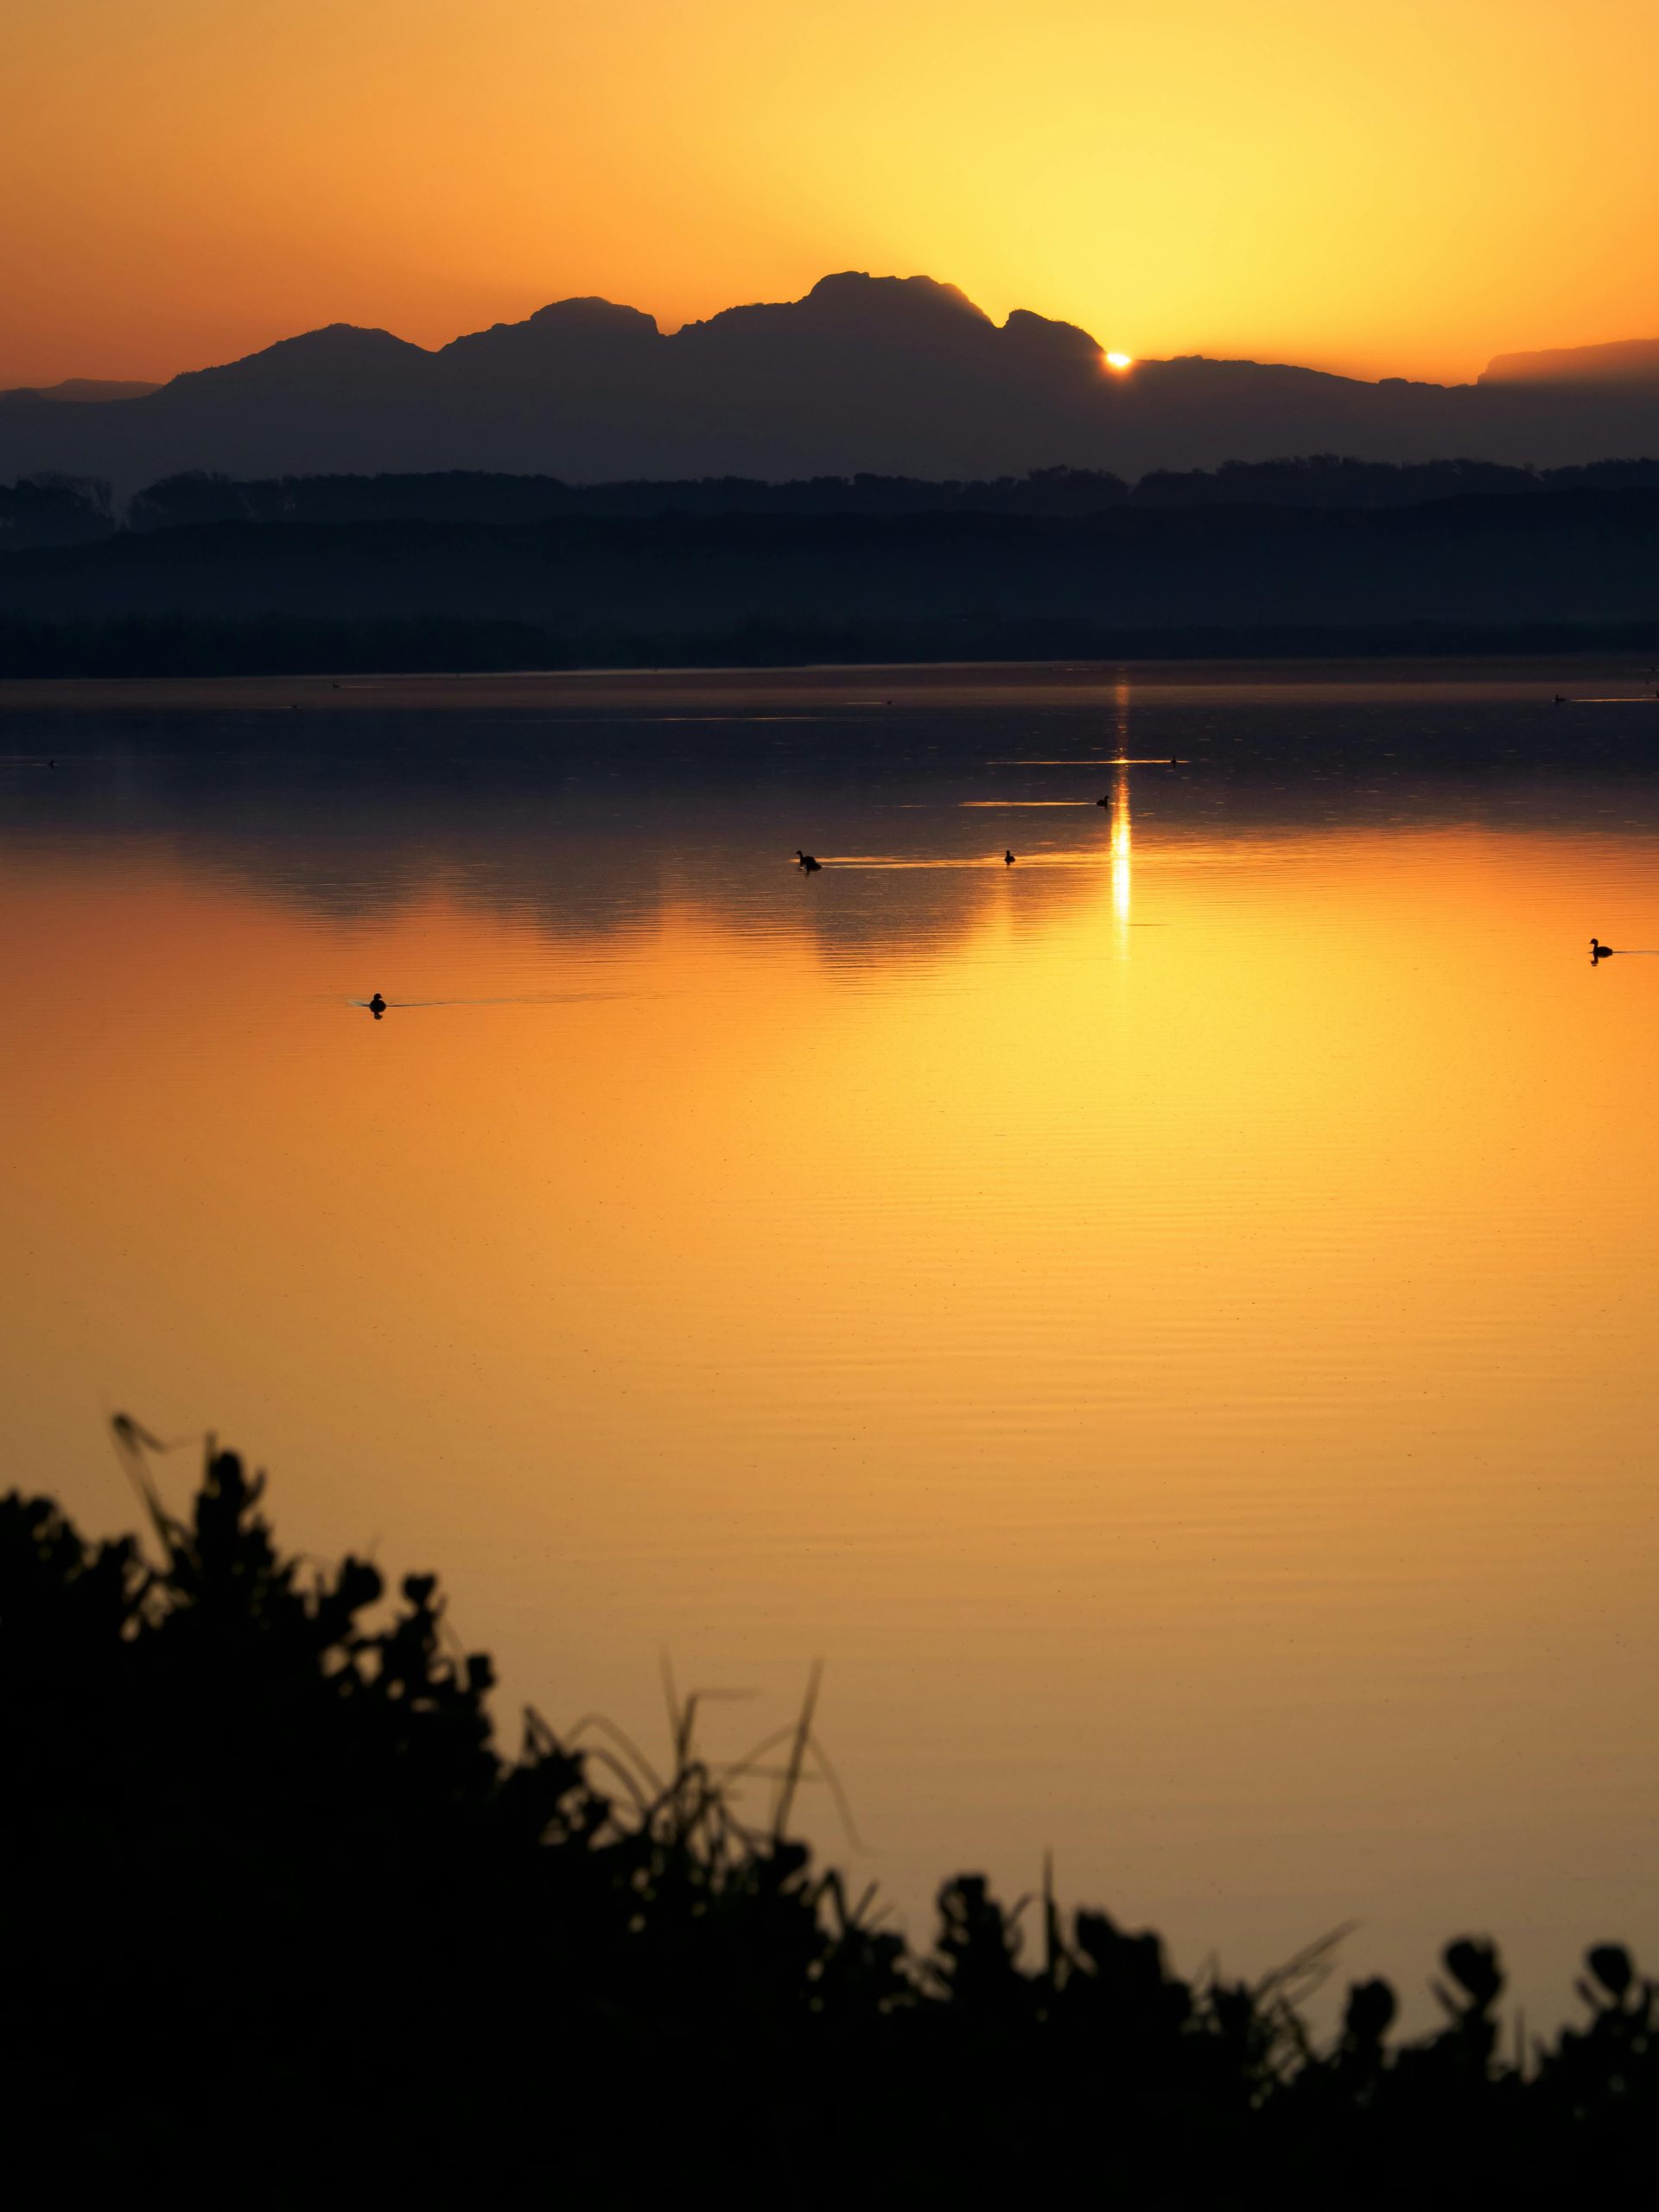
[{"x": 1171, "y": 1322}]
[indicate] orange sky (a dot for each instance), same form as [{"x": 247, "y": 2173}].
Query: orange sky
[{"x": 1402, "y": 187}]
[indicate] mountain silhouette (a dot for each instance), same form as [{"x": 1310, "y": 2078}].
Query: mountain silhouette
[
  {"x": 79, "y": 389},
  {"x": 883, "y": 374},
  {"x": 1631, "y": 361}
]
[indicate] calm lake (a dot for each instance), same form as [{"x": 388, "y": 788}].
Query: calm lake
[{"x": 1171, "y": 1323}]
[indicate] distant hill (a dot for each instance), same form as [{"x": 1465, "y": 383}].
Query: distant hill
[
  {"x": 900, "y": 376},
  {"x": 85, "y": 390},
  {"x": 1632, "y": 361}
]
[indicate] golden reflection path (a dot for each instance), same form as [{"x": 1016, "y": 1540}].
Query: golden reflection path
[{"x": 1123, "y": 848}]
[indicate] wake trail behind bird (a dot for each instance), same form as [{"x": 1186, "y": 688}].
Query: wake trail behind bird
[
  {"x": 541, "y": 998},
  {"x": 894, "y": 863}
]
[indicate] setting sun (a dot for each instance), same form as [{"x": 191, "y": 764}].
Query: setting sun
[{"x": 1120, "y": 361}]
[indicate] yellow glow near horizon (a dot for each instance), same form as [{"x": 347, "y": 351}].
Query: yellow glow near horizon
[
  {"x": 1358, "y": 189},
  {"x": 1120, "y": 361}
]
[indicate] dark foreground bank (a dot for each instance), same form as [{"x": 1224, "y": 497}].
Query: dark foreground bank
[{"x": 283, "y": 1926}]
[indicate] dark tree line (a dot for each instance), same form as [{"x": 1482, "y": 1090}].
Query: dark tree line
[
  {"x": 60, "y": 511},
  {"x": 1317, "y": 480},
  {"x": 54, "y": 511}
]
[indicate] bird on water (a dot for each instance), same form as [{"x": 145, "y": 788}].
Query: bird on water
[
  {"x": 806, "y": 861},
  {"x": 376, "y": 1006},
  {"x": 1007, "y": 860},
  {"x": 1600, "y": 952}
]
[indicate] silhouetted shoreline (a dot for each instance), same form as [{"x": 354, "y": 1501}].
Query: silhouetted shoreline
[{"x": 148, "y": 647}]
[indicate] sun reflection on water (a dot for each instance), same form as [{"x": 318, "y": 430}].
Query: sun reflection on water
[{"x": 1122, "y": 848}]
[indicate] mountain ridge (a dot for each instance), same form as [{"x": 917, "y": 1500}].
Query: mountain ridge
[
  {"x": 904, "y": 376},
  {"x": 1627, "y": 360},
  {"x": 82, "y": 391}
]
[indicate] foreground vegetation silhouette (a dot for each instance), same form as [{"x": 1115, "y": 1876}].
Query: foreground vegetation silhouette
[{"x": 285, "y": 1927}]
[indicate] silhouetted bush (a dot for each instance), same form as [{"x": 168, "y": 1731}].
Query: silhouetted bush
[{"x": 284, "y": 1927}]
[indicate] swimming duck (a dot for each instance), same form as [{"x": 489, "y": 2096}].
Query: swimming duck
[
  {"x": 1007, "y": 860},
  {"x": 1104, "y": 802},
  {"x": 376, "y": 1006},
  {"x": 1600, "y": 952},
  {"x": 806, "y": 861}
]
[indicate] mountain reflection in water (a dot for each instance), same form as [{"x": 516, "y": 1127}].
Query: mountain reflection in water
[{"x": 1172, "y": 1323}]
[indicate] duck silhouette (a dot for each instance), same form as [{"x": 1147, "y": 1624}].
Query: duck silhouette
[
  {"x": 1560, "y": 700},
  {"x": 806, "y": 861},
  {"x": 376, "y": 1006},
  {"x": 1007, "y": 860},
  {"x": 1600, "y": 952},
  {"x": 1104, "y": 802}
]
